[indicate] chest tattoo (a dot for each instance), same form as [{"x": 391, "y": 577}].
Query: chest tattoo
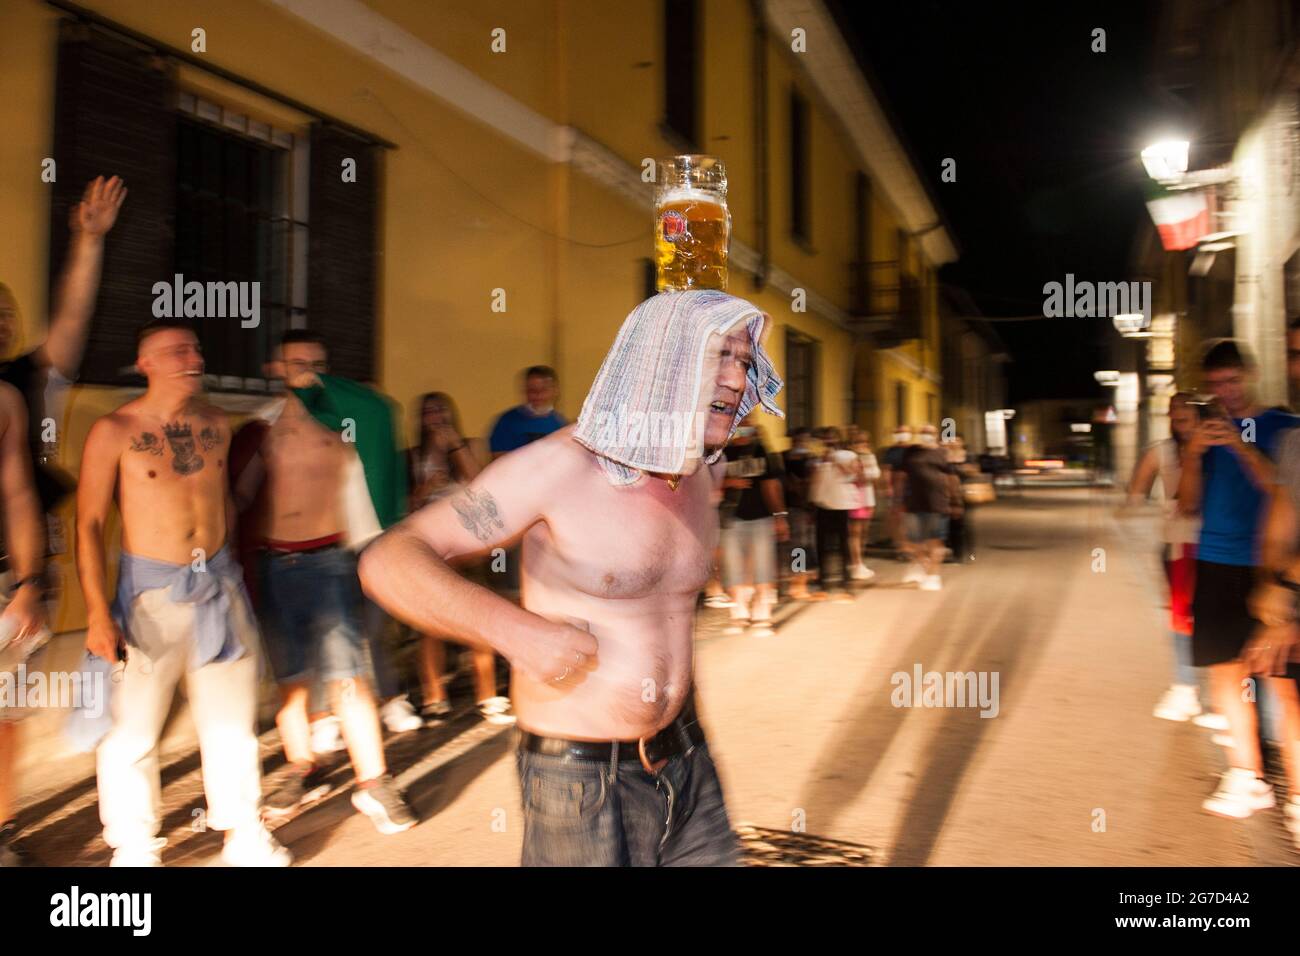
[
  {"x": 147, "y": 442},
  {"x": 478, "y": 513}
]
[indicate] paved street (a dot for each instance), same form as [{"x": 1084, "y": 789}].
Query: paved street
[{"x": 818, "y": 763}]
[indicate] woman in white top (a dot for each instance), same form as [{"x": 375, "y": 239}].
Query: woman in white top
[
  {"x": 1180, "y": 533},
  {"x": 441, "y": 463},
  {"x": 860, "y": 516}
]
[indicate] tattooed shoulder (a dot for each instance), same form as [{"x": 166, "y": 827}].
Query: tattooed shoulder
[{"x": 479, "y": 513}]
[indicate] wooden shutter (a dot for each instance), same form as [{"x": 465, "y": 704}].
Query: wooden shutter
[
  {"x": 114, "y": 114},
  {"x": 341, "y": 258}
]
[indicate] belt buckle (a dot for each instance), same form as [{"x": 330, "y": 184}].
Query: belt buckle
[{"x": 652, "y": 769}]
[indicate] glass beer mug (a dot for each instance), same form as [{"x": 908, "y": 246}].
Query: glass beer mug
[{"x": 692, "y": 224}]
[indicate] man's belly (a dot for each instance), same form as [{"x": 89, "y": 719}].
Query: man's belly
[{"x": 638, "y": 683}]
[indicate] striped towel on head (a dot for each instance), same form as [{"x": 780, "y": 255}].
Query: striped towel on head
[{"x": 644, "y": 412}]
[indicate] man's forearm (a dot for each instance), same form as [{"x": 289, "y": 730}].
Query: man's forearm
[
  {"x": 1257, "y": 465},
  {"x": 91, "y": 573},
  {"x": 25, "y": 534},
  {"x": 74, "y": 303},
  {"x": 413, "y": 583}
]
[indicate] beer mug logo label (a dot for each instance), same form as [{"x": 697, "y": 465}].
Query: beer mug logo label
[{"x": 674, "y": 225}]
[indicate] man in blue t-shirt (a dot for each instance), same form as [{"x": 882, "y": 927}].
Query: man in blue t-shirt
[
  {"x": 532, "y": 420},
  {"x": 1227, "y": 476}
]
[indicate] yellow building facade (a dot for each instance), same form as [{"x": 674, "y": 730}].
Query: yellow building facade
[{"x": 513, "y": 220}]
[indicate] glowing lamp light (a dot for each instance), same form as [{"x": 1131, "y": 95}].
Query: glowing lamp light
[{"x": 1166, "y": 160}]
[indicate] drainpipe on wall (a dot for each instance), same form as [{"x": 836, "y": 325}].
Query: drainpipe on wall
[{"x": 760, "y": 145}]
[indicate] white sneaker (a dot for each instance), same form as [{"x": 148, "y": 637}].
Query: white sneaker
[
  {"x": 145, "y": 854},
  {"x": 932, "y": 582},
  {"x": 496, "y": 710},
  {"x": 254, "y": 846},
  {"x": 399, "y": 716},
  {"x": 1240, "y": 794},
  {"x": 862, "y": 573},
  {"x": 914, "y": 574},
  {"x": 326, "y": 736},
  {"x": 1179, "y": 703},
  {"x": 1211, "y": 721},
  {"x": 718, "y": 600}
]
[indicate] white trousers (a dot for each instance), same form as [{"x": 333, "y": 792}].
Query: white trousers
[{"x": 223, "y": 703}]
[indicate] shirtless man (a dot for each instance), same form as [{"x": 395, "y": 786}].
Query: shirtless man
[
  {"x": 23, "y": 614},
  {"x": 310, "y": 596},
  {"x": 619, "y": 528},
  {"x": 180, "y": 611}
]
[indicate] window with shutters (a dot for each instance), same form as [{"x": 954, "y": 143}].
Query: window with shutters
[
  {"x": 216, "y": 197},
  {"x": 800, "y": 381},
  {"x": 234, "y": 224}
]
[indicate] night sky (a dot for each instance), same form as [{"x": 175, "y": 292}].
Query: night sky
[{"x": 1046, "y": 135}]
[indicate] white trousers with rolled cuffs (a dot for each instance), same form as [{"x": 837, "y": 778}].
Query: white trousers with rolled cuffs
[{"x": 223, "y": 705}]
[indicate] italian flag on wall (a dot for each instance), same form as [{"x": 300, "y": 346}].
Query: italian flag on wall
[{"x": 1181, "y": 217}]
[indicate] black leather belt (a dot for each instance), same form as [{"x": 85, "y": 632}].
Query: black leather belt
[
  {"x": 281, "y": 553},
  {"x": 684, "y": 733}
]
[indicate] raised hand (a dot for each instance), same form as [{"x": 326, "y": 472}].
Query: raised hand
[{"x": 97, "y": 211}]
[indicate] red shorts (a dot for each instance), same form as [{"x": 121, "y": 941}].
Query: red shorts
[
  {"x": 861, "y": 514},
  {"x": 1180, "y": 569}
]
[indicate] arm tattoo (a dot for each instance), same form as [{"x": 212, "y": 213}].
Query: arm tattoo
[
  {"x": 478, "y": 513},
  {"x": 149, "y": 442},
  {"x": 209, "y": 437}
]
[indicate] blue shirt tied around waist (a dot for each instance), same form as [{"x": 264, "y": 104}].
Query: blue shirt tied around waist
[
  {"x": 215, "y": 637},
  {"x": 1232, "y": 507}
]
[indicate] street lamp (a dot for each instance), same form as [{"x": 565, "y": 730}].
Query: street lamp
[{"x": 1166, "y": 160}]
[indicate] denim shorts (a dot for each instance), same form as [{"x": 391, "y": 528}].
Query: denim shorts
[
  {"x": 311, "y": 615},
  {"x": 926, "y": 526},
  {"x": 615, "y": 813}
]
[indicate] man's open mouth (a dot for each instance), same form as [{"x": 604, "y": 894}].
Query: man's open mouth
[{"x": 722, "y": 408}]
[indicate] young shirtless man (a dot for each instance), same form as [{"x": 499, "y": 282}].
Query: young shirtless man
[
  {"x": 180, "y": 611},
  {"x": 310, "y": 595},
  {"x": 619, "y": 528}
]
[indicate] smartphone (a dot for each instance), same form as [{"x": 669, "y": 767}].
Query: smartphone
[{"x": 1208, "y": 407}]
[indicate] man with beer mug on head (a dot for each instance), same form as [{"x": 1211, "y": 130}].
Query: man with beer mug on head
[{"x": 618, "y": 527}]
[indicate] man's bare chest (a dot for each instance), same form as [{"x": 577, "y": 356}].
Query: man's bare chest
[
  {"x": 629, "y": 546},
  {"x": 186, "y": 454}
]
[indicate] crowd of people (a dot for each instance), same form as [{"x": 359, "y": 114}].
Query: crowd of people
[
  {"x": 800, "y": 522},
  {"x": 1230, "y": 474}
]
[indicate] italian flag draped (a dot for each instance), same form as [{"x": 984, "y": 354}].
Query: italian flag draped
[{"x": 1181, "y": 217}]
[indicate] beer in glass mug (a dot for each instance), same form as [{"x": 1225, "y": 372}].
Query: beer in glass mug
[{"x": 692, "y": 224}]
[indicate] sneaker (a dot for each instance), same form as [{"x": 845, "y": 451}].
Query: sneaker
[
  {"x": 862, "y": 573},
  {"x": 761, "y": 629},
  {"x": 931, "y": 582},
  {"x": 298, "y": 790},
  {"x": 326, "y": 736},
  {"x": 399, "y": 716},
  {"x": 9, "y": 855},
  {"x": 914, "y": 574},
  {"x": 1240, "y": 794},
  {"x": 148, "y": 853},
  {"x": 384, "y": 804},
  {"x": 496, "y": 710},
  {"x": 436, "y": 711},
  {"x": 254, "y": 847},
  {"x": 718, "y": 600},
  {"x": 1179, "y": 703},
  {"x": 1211, "y": 721}
]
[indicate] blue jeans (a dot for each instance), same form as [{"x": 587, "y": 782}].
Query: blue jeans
[
  {"x": 311, "y": 615},
  {"x": 614, "y": 813}
]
